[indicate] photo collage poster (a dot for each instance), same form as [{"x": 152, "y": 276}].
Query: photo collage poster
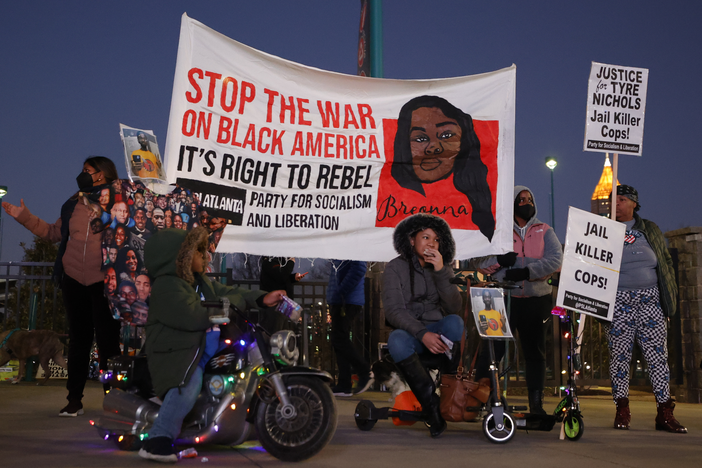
[{"x": 130, "y": 214}]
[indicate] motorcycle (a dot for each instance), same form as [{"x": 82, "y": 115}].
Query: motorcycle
[{"x": 252, "y": 382}]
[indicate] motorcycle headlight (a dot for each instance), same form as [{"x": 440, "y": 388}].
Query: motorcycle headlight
[{"x": 284, "y": 347}]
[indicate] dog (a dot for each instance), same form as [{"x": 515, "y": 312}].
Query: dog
[
  {"x": 386, "y": 373},
  {"x": 23, "y": 344}
]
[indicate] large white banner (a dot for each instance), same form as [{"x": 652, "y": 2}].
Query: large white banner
[
  {"x": 309, "y": 163},
  {"x": 591, "y": 261},
  {"x": 616, "y": 106}
]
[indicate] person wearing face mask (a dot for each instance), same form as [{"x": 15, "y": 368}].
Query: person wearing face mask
[
  {"x": 78, "y": 273},
  {"x": 537, "y": 255}
]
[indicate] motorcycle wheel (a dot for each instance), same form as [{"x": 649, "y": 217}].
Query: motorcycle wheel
[{"x": 309, "y": 431}]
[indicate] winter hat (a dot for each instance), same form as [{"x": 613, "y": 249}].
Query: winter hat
[{"x": 409, "y": 227}]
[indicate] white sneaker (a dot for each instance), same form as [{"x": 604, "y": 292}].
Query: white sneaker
[
  {"x": 71, "y": 410},
  {"x": 159, "y": 449}
]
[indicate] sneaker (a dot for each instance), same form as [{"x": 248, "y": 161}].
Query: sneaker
[
  {"x": 341, "y": 391},
  {"x": 159, "y": 449},
  {"x": 72, "y": 409},
  {"x": 364, "y": 383}
]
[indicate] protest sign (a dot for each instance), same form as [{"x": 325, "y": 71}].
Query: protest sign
[
  {"x": 591, "y": 261},
  {"x": 488, "y": 307},
  {"x": 616, "y": 104},
  {"x": 141, "y": 153},
  {"x": 308, "y": 163}
]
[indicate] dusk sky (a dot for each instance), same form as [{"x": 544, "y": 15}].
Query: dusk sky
[{"x": 72, "y": 71}]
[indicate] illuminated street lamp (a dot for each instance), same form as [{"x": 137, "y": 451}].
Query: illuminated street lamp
[
  {"x": 3, "y": 192},
  {"x": 551, "y": 163}
]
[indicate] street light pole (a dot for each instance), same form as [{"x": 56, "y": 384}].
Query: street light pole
[
  {"x": 551, "y": 163},
  {"x": 3, "y": 192}
]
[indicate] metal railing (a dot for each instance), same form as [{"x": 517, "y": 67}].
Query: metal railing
[
  {"x": 19, "y": 282},
  {"x": 315, "y": 326}
]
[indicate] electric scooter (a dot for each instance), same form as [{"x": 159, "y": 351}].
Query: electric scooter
[{"x": 498, "y": 421}]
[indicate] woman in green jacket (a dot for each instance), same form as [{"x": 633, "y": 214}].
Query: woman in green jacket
[{"x": 179, "y": 336}]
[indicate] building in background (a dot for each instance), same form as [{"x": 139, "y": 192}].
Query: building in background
[{"x": 600, "y": 203}]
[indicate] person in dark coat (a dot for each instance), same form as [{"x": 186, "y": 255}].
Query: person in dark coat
[
  {"x": 346, "y": 298},
  {"x": 421, "y": 304},
  {"x": 277, "y": 273},
  {"x": 537, "y": 255}
]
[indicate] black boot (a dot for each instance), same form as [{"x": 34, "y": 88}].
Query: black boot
[
  {"x": 536, "y": 398},
  {"x": 423, "y": 388}
]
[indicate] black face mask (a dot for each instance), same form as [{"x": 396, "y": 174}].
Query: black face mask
[
  {"x": 84, "y": 180},
  {"x": 524, "y": 211}
]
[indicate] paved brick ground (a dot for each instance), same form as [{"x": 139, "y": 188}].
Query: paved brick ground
[{"x": 32, "y": 435}]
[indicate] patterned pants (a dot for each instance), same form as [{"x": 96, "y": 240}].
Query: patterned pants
[{"x": 638, "y": 316}]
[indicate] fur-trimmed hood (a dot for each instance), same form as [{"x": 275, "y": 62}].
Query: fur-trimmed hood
[
  {"x": 408, "y": 227},
  {"x": 170, "y": 252}
]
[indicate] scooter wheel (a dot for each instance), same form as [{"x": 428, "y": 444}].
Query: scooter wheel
[
  {"x": 299, "y": 437},
  {"x": 573, "y": 426},
  {"x": 362, "y": 415},
  {"x": 495, "y": 435}
]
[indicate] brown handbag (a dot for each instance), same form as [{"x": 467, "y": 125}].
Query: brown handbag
[{"x": 460, "y": 391}]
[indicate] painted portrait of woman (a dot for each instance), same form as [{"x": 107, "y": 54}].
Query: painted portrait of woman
[{"x": 435, "y": 141}]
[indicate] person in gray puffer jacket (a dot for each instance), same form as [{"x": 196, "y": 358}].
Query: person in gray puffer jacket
[
  {"x": 537, "y": 255},
  {"x": 421, "y": 303}
]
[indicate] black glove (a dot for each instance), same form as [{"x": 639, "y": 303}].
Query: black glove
[
  {"x": 507, "y": 260},
  {"x": 518, "y": 274}
]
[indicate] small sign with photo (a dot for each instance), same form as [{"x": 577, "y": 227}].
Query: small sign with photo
[
  {"x": 143, "y": 158},
  {"x": 489, "y": 312}
]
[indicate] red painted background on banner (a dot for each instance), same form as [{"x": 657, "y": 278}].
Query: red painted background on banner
[{"x": 395, "y": 203}]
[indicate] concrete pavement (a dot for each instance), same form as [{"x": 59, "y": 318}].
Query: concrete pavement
[{"x": 32, "y": 436}]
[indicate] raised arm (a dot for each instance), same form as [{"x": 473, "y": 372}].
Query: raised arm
[{"x": 37, "y": 226}]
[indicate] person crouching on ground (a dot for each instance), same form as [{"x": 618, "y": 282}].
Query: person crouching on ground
[
  {"x": 421, "y": 304},
  {"x": 175, "y": 260}
]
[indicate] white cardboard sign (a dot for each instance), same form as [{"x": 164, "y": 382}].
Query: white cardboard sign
[
  {"x": 616, "y": 105},
  {"x": 591, "y": 262}
]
